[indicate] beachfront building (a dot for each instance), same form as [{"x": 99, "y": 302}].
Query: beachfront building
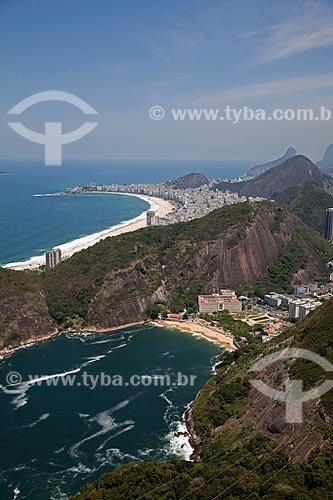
[
  {"x": 53, "y": 257},
  {"x": 226, "y": 300},
  {"x": 152, "y": 218}
]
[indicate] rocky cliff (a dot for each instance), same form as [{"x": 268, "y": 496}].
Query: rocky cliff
[{"x": 114, "y": 282}]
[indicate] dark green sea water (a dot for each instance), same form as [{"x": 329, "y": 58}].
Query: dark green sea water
[{"x": 55, "y": 439}]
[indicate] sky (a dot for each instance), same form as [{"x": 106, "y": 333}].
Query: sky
[{"x": 125, "y": 57}]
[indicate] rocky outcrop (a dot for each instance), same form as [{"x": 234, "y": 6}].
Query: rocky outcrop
[
  {"x": 235, "y": 261},
  {"x": 189, "y": 181},
  {"x": 194, "y": 439},
  {"x": 327, "y": 160},
  {"x": 24, "y": 314}
]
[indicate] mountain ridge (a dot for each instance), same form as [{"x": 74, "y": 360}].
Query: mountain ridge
[
  {"x": 114, "y": 282},
  {"x": 291, "y": 183},
  {"x": 260, "y": 169},
  {"x": 326, "y": 163}
]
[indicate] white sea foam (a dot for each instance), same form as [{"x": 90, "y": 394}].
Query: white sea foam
[
  {"x": 107, "y": 423},
  {"x": 179, "y": 444},
  {"x": 117, "y": 347},
  {"x": 60, "y": 450},
  {"x": 129, "y": 426},
  {"x": 21, "y": 389},
  {"x": 112, "y": 453},
  {"x": 107, "y": 341},
  {"x": 79, "y": 469},
  {"x": 93, "y": 359},
  {"x": 16, "y": 492},
  {"x": 215, "y": 361},
  {"x": 40, "y": 419},
  {"x": 178, "y": 438}
]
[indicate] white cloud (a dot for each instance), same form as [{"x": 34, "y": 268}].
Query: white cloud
[
  {"x": 266, "y": 90},
  {"x": 312, "y": 29}
]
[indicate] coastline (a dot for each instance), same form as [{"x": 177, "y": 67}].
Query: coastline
[
  {"x": 201, "y": 330},
  {"x": 8, "y": 351},
  {"x": 160, "y": 206}
]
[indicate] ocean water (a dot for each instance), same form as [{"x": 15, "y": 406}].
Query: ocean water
[
  {"x": 31, "y": 225},
  {"x": 54, "y": 439}
]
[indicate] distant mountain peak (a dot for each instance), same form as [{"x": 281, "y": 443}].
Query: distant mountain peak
[
  {"x": 189, "y": 181},
  {"x": 327, "y": 160},
  {"x": 293, "y": 172},
  {"x": 260, "y": 169}
]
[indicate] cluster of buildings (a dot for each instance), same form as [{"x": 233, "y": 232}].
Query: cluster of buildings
[
  {"x": 53, "y": 257},
  {"x": 305, "y": 299},
  {"x": 190, "y": 203},
  {"x": 226, "y": 300},
  {"x": 274, "y": 329}
]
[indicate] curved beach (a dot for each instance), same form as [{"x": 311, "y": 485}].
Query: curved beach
[
  {"x": 201, "y": 329},
  {"x": 160, "y": 206}
]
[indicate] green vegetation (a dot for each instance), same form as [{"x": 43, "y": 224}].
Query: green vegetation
[
  {"x": 293, "y": 259},
  {"x": 309, "y": 202},
  {"x": 297, "y": 183},
  {"x": 239, "y": 457},
  {"x": 121, "y": 280},
  {"x": 23, "y": 308}
]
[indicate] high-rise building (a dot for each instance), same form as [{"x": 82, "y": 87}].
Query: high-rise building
[
  {"x": 150, "y": 216},
  {"x": 329, "y": 225},
  {"x": 53, "y": 257}
]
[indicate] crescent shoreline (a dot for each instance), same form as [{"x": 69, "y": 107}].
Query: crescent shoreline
[{"x": 160, "y": 206}]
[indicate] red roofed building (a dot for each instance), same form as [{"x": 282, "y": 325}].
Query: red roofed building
[{"x": 225, "y": 301}]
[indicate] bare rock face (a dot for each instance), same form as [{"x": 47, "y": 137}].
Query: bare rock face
[
  {"x": 235, "y": 261},
  {"x": 113, "y": 283}
]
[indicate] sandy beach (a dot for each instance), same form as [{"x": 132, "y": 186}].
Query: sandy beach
[
  {"x": 199, "y": 329},
  {"x": 160, "y": 206}
]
